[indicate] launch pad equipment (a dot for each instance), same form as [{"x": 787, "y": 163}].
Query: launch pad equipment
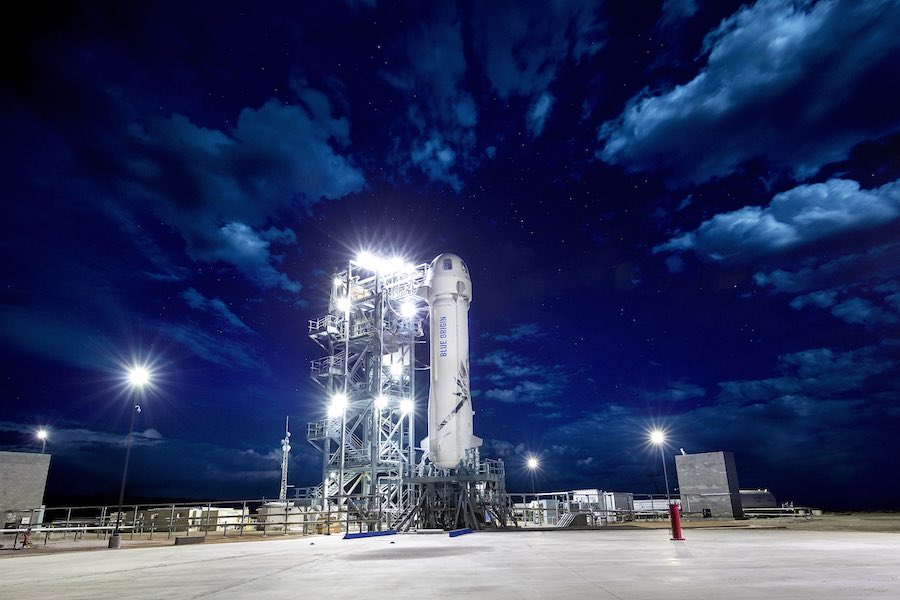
[{"x": 372, "y": 468}]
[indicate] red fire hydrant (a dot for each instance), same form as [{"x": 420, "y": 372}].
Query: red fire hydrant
[{"x": 675, "y": 520}]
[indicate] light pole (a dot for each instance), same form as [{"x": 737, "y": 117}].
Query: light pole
[
  {"x": 42, "y": 435},
  {"x": 533, "y": 465},
  {"x": 658, "y": 438},
  {"x": 138, "y": 377}
]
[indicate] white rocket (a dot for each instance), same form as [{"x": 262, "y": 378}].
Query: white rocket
[{"x": 448, "y": 289}]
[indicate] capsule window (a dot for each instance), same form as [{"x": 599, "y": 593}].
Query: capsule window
[{"x": 447, "y": 264}]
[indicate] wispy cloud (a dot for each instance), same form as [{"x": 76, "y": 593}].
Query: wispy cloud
[
  {"x": 676, "y": 391},
  {"x": 441, "y": 119},
  {"x": 516, "y": 378},
  {"x": 858, "y": 287},
  {"x": 214, "y": 347},
  {"x": 216, "y": 307},
  {"x": 515, "y": 333}
]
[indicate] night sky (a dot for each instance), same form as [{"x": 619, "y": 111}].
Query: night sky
[{"x": 677, "y": 214}]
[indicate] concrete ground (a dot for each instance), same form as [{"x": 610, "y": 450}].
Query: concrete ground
[{"x": 632, "y": 564}]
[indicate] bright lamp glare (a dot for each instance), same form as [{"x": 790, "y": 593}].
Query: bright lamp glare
[
  {"x": 344, "y": 304},
  {"x": 396, "y": 370},
  {"x": 338, "y": 282},
  {"x": 380, "y": 402},
  {"x": 408, "y": 309},
  {"x": 390, "y": 265},
  {"x": 138, "y": 376},
  {"x": 657, "y": 437},
  {"x": 42, "y": 434},
  {"x": 406, "y": 406},
  {"x": 532, "y": 463},
  {"x": 338, "y": 404},
  {"x": 369, "y": 261},
  {"x": 376, "y": 264}
]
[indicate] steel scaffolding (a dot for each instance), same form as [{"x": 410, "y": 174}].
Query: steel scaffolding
[{"x": 370, "y": 333}]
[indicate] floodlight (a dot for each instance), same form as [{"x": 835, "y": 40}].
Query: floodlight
[
  {"x": 657, "y": 437},
  {"x": 380, "y": 402},
  {"x": 344, "y": 304},
  {"x": 406, "y": 406},
  {"x": 338, "y": 281},
  {"x": 138, "y": 376},
  {"x": 368, "y": 261},
  {"x": 391, "y": 265},
  {"x": 42, "y": 434},
  {"x": 532, "y": 463},
  {"x": 408, "y": 309},
  {"x": 338, "y": 404}
]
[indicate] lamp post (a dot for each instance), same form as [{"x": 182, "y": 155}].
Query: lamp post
[
  {"x": 658, "y": 438},
  {"x": 42, "y": 435},
  {"x": 532, "y": 465},
  {"x": 138, "y": 377}
]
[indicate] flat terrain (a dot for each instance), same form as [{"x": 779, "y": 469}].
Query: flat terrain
[{"x": 632, "y": 563}]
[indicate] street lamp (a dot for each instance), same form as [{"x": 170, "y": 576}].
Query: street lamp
[
  {"x": 532, "y": 464},
  {"x": 42, "y": 435},
  {"x": 658, "y": 438},
  {"x": 138, "y": 377}
]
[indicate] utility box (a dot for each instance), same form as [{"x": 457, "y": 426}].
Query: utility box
[{"x": 708, "y": 485}]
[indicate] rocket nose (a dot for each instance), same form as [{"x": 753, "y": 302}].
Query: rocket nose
[{"x": 449, "y": 264}]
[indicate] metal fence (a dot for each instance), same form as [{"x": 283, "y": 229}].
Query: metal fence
[{"x": 221, "y": 518}]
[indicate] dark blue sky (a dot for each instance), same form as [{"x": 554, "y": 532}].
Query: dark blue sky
[{"x": 681, "y": 214}]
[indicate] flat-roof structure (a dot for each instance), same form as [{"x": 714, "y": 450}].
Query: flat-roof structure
[{"x": 612, "y": 563}]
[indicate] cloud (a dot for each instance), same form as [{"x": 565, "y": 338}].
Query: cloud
[
  {"x": 442, "y": 117},
  {"x": 807, "y": 417},
  {"x": 437, "y": 160},
  {"x": 516, "y": 378},
  {"x": 676, "y": 11},
  {"x": 858, "y": 288},
  {"x": 796, "y": 217},
  {"x": 81, "y": 437},
  {"x": 676, "y": 391},
  {"x": 794, "y": 83},
  {"x": 864, "y": 312},
  {"x": 523, "y": 46},
  {"x": 815, "y": 373},
  {"x": 538, "y": 112},
  {"x": 503, "y": 448},
  {"x": 248, "y": 250},
  {"x": 90, "y": 461},
  {"x": 220, "y": 188},
  {"x": 215, "y": 348},
  {"x": 216, "y": 307},
  {"x": 515, "y": 333}
]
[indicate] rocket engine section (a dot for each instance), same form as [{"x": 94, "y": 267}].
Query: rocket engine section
[{"x": 448, "y": 289}]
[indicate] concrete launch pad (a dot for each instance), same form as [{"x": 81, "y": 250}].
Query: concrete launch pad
[{"x": 625, "y": 564}]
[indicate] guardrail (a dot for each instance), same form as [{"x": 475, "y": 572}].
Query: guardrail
[{"x": 226, "y": 519}]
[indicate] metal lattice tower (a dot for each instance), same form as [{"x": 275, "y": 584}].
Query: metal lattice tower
[{"x": 370, "y": 333}]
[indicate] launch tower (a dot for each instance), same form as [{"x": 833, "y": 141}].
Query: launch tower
[{"x": 373, "y": 472}]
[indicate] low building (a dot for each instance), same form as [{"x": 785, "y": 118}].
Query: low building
[
  {"x": 708, "y": 485},
  {"x": 23, "y": 480}
]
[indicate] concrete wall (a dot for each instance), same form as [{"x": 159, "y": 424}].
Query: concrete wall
[
  {"x": 23, "y": 477},
  {"x": 709, "y": 482}
]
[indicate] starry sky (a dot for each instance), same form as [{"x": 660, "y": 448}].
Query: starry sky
[{"x": 677, "y": 214}]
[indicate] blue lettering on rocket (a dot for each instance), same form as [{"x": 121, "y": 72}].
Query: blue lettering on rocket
[{"x": 442, "y": 334}]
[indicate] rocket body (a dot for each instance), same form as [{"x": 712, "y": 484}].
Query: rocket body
[{"x": 448, "y": 289}]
